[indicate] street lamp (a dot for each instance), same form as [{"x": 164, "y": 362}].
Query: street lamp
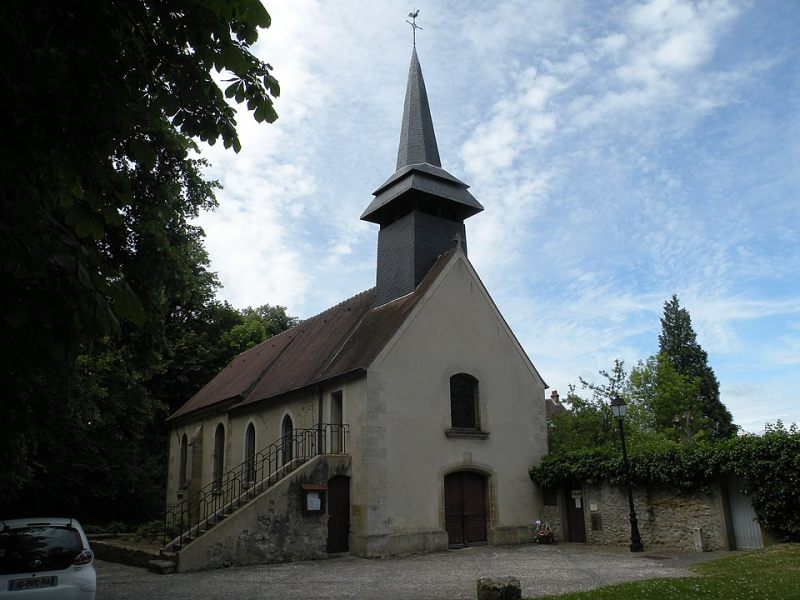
[{"x": 619, "y": 409}]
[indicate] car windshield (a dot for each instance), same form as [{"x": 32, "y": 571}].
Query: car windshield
[{"x": 38, "y": 548}]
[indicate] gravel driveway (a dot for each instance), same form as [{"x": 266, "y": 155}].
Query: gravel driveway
[{"x": 447, "y": 575}]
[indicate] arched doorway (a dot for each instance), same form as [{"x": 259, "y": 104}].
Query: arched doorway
[
  {"x": 465, "y": 508},
  {"x": 287, "y": 439}
]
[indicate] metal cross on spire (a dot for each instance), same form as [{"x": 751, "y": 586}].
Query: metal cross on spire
[{"x": 414, "y": 26}]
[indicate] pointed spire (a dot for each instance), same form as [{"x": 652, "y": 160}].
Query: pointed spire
[{"x": 417, "y": 139}]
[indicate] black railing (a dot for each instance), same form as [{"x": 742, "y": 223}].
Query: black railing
[{"x": 192, "y": 516}]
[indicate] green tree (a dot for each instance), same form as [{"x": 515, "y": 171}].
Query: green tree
[
  {"x": 588, "y": 422},
  {"x": 91, "y": 85},
  {"x": 257, "y": 325},
  {"x": 678, "y": 343},
  {"x": 98, "y": 183},
  {"x": 670, "y": 401}
]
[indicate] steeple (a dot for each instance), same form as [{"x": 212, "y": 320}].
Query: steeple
[
  {"x": 417, "y": 138},
  {"x": 421, "y": 208}
]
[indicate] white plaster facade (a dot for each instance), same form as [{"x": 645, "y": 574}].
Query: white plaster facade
[
  {"x": 400, "y": 450},
  {"x": 398, "y": 412}
]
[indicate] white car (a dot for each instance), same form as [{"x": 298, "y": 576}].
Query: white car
[{"x": 45, "y": 559}]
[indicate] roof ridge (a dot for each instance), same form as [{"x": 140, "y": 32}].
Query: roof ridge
[
  {"x": 301, "y": 322},
  {"x": 329, "y": 309}
]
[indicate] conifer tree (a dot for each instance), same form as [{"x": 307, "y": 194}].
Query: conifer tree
[{"x": 678, "y": 342}]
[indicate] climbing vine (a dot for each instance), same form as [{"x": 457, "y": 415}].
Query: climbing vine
[{"x": 769, "y": 463}]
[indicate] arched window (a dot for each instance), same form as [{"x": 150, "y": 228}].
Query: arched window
[
  {"x": 287, "y": 439},
  {"x": 219, "y": 455},
  {"x": 464, "y": 402},
  {"x": 182, "y": 479},
  {"x": 250, "y": 454}
]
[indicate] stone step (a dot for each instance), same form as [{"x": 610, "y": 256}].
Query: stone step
[{"x": 162, "y": 567}]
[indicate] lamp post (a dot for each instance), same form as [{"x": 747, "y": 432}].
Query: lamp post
[{"x": 619, "y": 409}]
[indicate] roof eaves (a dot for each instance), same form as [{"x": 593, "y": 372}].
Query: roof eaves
[{"x": 208, "y": 409}]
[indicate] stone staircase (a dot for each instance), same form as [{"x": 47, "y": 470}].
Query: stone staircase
[{"x": 195, "y": 516}]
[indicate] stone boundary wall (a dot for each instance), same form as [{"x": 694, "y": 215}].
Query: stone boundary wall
[
  {"x": 666, "y": 516},
  {"x": 113, "y": 550},
  {"x": 552, "y": 514}
]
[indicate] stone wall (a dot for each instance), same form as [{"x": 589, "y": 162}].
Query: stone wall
[
  {"x": 272, "y": 528},
  {"x": 115, "y": 550},
  {"x": 552, "y": 514},
  {"x": 666, "y": 517}
]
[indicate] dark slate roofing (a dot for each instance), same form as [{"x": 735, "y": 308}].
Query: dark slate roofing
[
  {"x": 425, "y": 179},
  {"x": 343, "y": 339},
  {"x": 418, "y": 164},
  {"x": 417, "y": 138}
]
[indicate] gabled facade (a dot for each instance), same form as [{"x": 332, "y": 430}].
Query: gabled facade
[{"x": 409, "y": 413}]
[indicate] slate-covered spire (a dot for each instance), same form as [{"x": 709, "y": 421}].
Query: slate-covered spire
[
  {"x": 421, "y": 208},
  {"x": 417, "y": 138}
]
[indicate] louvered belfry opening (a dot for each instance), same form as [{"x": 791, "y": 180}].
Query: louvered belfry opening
[{"x": 421, "y": 208}]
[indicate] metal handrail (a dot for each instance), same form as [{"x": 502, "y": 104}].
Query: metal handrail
[{"x": 192, "y": 516}]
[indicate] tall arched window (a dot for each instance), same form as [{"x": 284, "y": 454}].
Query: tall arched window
[
  {"x": 219, "y": 455},
  {"x": 464, "y": 402},
  {"x": 250, "y": 454},
  {"x": 287, "y": 439},
  {"x": 184, "y": 455}
]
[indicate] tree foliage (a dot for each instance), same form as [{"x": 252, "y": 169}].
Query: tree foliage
[
  {"x": 105, "y": 285},
  {"x": 677, "y": 342},
  {"x": 91, "y": 87},
  {"x": 587, "y": 422},
  {"x": 257, "y": 324},
  {"x": 669, "y": 399},
  {"x": 673, "y": 395}
]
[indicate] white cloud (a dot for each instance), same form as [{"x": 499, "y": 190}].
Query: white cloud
[{"x": 623, "y": 153}]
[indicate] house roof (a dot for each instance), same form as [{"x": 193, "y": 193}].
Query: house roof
[{"x": 340, "y": 340}]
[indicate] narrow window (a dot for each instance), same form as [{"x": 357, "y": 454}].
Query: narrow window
[
  {"x": 464, "y": 402},
  {"x": 336, "y": 423},
  {"x": 287, "y": 439},
  {"x": 250, "y": 454},
  {"x": 219, "y": 455},
  {"x": 182, "y": 479}
]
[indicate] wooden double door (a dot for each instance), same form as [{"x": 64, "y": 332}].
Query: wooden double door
[{"x": 465, "y": 508}]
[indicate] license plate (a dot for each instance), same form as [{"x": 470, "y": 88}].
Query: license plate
[{"x": 32, "y": 583}]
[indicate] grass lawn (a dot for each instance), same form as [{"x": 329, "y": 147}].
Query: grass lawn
[{"x": 772, "y": 573}]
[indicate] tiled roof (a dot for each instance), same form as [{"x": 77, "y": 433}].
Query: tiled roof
[{"x": 343, "y": 339}]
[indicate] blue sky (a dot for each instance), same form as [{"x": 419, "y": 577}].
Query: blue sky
[{"x": 624, "y": 151}]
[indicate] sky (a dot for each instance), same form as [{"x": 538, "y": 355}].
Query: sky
[{"x": 623, "y": 151}]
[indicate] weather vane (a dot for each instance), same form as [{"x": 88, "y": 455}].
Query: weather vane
[{"x": 414, "y": 26}]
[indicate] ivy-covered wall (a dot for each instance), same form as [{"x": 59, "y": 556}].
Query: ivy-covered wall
[{"x": 769, "y": 463}]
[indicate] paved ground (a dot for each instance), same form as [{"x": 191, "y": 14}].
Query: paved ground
[{"x": 444, "y": 575}]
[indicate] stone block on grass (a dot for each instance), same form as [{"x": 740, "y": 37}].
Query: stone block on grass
[{"x": 501, "y": 588}]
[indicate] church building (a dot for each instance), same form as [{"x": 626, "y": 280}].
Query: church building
[{"x": 402, "y": 420}]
